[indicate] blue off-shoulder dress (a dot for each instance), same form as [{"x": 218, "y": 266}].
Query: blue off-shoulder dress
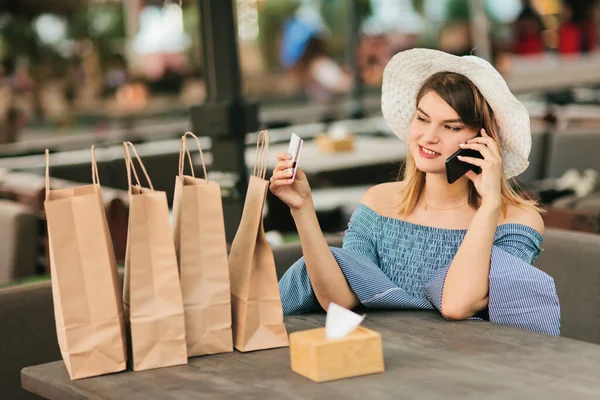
[{"x": 394, "y": 264}]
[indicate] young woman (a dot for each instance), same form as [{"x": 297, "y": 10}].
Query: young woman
[{"x": 465, "y": 248}]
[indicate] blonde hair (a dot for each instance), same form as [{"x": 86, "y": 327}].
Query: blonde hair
[{"x": 475, "y": 113}]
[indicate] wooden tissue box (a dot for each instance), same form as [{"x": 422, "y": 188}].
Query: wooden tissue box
[
  {"x": 326, "y": 144},
  {"x": 320, "y": 359}
]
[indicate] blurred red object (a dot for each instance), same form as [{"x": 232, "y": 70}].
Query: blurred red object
[
  {"x": 527, "y": 31},
  {"x": 529, "y": 45},
  {"x": 577, "y": 38}
]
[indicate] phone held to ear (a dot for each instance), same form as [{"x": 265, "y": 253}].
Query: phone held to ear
[{"x": 456, "y": 168}]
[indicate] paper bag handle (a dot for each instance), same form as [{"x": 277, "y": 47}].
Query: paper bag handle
[
  {"x": 262, "y": 152},
  {"x": 95, "y": 175},
  {"x": 183, "y": 151},
  {"x": 131, "y": 167}
]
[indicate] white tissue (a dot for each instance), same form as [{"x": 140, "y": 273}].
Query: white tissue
[
  {"x": 340, "y": 321},
  {"x": 338, "y": 132}
]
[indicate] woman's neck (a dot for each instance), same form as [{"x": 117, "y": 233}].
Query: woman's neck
[{"x": 439, "y": 194}]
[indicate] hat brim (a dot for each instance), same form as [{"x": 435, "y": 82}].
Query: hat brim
[{"x": 406, "y": 73}]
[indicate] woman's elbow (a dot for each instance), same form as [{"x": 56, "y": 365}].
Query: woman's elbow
[
  {"x": 461, "y": 311},
  {"x": 455, "y": 313},
  {"x": 347, "y": 302}
]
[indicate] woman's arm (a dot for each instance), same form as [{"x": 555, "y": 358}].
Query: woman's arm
[
  {"x": 327, "y": 279},
  {"x": 467, "y": 282}
]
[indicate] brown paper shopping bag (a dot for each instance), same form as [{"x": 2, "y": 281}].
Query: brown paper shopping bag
[
  {"x": 256, "y": 302},
  {"x": 85, "y": 287},
  {"x": 152, "y": 293},
  {"x": 199, "y": 232}
]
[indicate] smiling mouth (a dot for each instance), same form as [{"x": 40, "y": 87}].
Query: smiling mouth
[{"x": 429, "y": 152}]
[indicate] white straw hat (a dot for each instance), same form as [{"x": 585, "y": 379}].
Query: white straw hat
[{"x": 407, "y": 71}]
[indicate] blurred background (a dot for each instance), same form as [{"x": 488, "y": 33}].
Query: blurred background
[
  {"x": 85, "y": 65},
  {"x": 76, "y": 73}
]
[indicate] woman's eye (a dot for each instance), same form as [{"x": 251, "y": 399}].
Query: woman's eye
[
  {"x": 420, "y": 118},
  {"x": 453, "y": 128}
]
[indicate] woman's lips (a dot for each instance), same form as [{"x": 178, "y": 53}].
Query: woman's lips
[{"x": 428, "y": 153}]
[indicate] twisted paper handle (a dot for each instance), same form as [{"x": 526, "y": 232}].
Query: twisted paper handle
[
  {"x": 262, "y": 152},
  {"x": 183, "y": 151},
  {"x": 131, "y": 167}
]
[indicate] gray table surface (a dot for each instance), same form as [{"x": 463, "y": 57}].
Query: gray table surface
[
  {"x": 367, "y": 151},
  {"x": 426, "y": 357}
]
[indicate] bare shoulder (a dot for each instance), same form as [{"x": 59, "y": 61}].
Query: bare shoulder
[
  {"x": 524, "y": 216},
  {"x": 381, "y": 197}
]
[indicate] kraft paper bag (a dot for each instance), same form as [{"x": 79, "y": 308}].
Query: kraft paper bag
[
  {"x": 152, "y": 293},
  {"x": 201, "y": 247},
  {"x": 85, "y": 286},
  {"x": 256, "y": 302}
]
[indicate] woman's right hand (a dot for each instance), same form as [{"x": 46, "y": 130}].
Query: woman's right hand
[{"x": 295, "y": 193}]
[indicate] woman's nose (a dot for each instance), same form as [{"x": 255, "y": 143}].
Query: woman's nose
[{"x": 430, "y": 134}]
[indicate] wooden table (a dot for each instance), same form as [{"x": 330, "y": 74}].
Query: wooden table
[{"x": 426, "y": 357}]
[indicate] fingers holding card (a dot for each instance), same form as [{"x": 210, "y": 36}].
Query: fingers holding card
[
  {"x": 288, "y": 182},
  {"x": 294, "y": 150}
]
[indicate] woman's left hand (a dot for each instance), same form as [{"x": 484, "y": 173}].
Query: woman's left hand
[{"x": 488, "y": 182}]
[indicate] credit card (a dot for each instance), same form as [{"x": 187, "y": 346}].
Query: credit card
[{"x": 294, "y": 150}]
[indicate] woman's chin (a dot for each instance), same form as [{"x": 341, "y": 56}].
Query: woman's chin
[
  {"x": 430, "y": 169},
  {"x": 434, "y": 172}
]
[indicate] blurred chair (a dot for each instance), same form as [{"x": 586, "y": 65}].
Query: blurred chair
[
  {"x": 589, "y": 203},
  {"x": 30, "y": 337},
  {"x": 537, "y": 157},
  {"x": 572, "y": 149},
  {"x": 572, "y": 259},
  {"x": 18, "y": 241},
  {"x": 27, "y": 335}
]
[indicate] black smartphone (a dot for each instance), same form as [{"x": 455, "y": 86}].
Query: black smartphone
[{"x": 456, "y": 168}]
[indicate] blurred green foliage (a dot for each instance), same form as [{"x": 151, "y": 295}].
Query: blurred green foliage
[
  {"x": 103, "y": 24},
  {"x": 271, "y": 17}
]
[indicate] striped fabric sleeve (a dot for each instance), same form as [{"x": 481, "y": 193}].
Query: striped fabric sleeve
[
  {"x": 519, "y": 240},
  {"x": 372, "y": 287},
  {"x": 359, "y": 237},
  {"x": 297, "y": 295},
  {"x": 359, "y": 262},
  {"x": 520, "y": 295}
]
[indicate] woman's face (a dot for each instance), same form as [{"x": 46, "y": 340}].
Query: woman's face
[{"x": 435, "y": 133}]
